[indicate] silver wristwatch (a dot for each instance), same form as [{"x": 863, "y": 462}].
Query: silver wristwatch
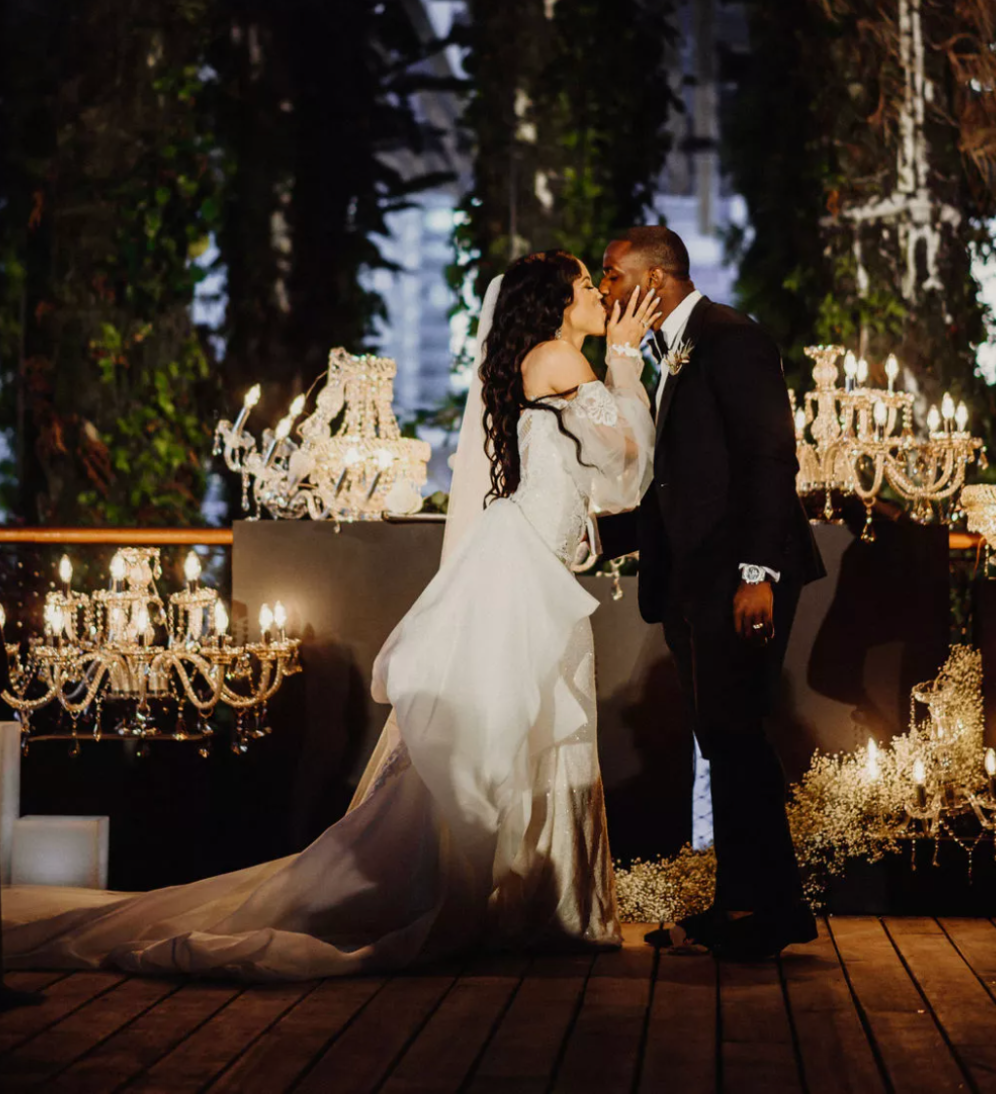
[{"x": 753, "y": 575}]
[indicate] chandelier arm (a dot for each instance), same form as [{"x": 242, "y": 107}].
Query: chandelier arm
[
  {"x": 259, "y": 691},
  {"x": 176, "y": 663},
  {"x": 262, "y": 692},
  {"x": 79, "y": 708}
]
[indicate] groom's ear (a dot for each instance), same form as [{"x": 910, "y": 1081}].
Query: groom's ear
[{"x": 655, "y": 277}]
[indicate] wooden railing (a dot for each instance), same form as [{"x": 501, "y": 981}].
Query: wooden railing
[
  {"x": 222, "y": 537},
  {"x": 127, "y": 537}
]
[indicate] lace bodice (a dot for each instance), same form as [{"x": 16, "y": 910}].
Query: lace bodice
[
  {"x": 548, "y": 493},
  {"x": 557, "y": 489}
]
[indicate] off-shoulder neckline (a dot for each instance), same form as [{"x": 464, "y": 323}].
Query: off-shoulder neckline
[{"x": 561, "y": 398}]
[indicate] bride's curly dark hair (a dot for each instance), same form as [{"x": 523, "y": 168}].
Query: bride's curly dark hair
[{"x": 535, "y": 293}]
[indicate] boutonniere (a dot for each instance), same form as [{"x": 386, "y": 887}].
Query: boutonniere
[{"x": 676, "y": 358}]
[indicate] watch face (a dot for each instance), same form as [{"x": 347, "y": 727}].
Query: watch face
[{"x": 753, "y": 575}]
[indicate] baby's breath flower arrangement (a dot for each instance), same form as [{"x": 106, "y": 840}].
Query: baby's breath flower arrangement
[{"x": 935, "y": 782}]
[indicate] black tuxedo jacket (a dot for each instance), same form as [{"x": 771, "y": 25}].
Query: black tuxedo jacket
[{"x": 724, "y": 470}]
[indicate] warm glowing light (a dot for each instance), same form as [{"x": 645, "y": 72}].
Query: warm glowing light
[
  {"x": 873, "y": 767},
  {"x": 192, "y": 567},
  {"x": 800, "y": 420},
  {"x": 384, "y": 459},
  {"x": 265, "y": 618},
  {"x": 65, "y": 570},
  {"x": 880, "y": 413},
  {"x": 850, "y": 365},
  {"x": 280, "y": 615},
  {"x": 140, "y": 620},
  {"x": 891, "y": 368},
  {"x": 961, "y": 417},
  {"x": 990, "y": 762},
  {"x": 53, "y": 618},
  {"x": 933, "y": 419},
  {"x": 296, "y": 407},
  {"x": 118, "y": 567},
  {"x": 352, "y": 456},
  {"x": 283, "y": 429},
  {"x": 947, "y": 407},
  {"x": 919, "y": 772},
  {"x": 3, "y": 619},
  {"x": 220, "y": 617},
  {"x": 862, "y": 371},
  {"x": 252, "y": 396}
]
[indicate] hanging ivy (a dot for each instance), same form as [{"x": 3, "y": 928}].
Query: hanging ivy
[
  {"x": 566, "y": 110},
  {"x": 868, "y": 191}
]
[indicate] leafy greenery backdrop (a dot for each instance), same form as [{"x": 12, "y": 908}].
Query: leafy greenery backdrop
[
  {"x": 813, "y": 133},
  {"x": 567, "y": 108},
  {"x": 134, "y": 135}
]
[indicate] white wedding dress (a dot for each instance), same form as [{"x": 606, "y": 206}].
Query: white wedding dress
[{"x": 480, "y": 819}]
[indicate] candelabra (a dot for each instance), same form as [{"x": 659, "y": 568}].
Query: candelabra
[
  {"x": 105, "y": 648},
  {"x": 862, "y": 438},
  {"x": 979, "y": 504},
  {"x": 349, "y": 461}
]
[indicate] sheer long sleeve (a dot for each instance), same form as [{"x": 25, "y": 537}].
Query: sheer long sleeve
[{"x": 612, "y": 421}]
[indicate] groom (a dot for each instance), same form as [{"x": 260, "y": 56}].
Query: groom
[{"x": 725, "y": 549}]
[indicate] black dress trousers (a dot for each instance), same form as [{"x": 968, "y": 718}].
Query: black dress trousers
[{"x": 729, "y": 685}]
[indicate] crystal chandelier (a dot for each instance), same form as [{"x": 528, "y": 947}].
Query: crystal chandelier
[
  {"x": 938, "y": 780},
  {"x": 348, "y": 460},
  {"x": 862, "y": 437},
  {"x": 979, "y": 504},
  {"x": 155, "y": 664}
]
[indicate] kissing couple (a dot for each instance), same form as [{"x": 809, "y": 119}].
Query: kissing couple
[{"x": 480, "y": 819}]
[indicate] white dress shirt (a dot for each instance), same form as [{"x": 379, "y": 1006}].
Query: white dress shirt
[{"x": 673, "y": 328}]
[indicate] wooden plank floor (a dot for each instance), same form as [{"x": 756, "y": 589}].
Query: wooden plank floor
[{"x": 875, "y": 1006}]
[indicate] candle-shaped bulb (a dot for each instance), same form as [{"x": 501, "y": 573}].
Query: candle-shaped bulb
[
  {"x": 862, "y": 371},
  {"x": 353, "y": 455},
  {"x": 279, "y": 615},
  {"x": 990, "y": 762},
  {"x": 947, "y": 407},
  {"x": 140, "y": 619},
  {"x": 283, "y": 429},
  {"x": 220, "y": 617},
  {"x": 118, "y": 567},
  {"x": 58, "y": 619},
  {"x": 3, "y": 621},
  {"x": 961, "y": 417},
  {"x": 252, "y": 396},
  {"x": 800, "y": 421},
  {"x": 265, "y": 618},
  {"x": 933, "y": 419},
  {"x": 65, "y": 570},
  {"x": 384, "y": 458},
  {"x": 192, "y": 567},
  {"x": 850, "y": 365},
  {"x": 296, "y": 407},
  {"x": 919, "y": 772},
  {"x": 891, "y": 369},
  {"x": 880, "y": 413}
]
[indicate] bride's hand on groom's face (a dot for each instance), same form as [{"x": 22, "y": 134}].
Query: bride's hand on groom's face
[
  {"x": 753, "y": 606},
  {"x": 627, "y": 328}
]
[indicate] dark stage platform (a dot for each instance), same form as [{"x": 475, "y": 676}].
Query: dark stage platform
[{"x": 876, "y": 1005}]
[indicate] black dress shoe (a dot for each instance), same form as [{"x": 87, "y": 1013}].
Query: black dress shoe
[
  {"x": 703, "y": 927},
  {"x": 660, "y": 938},
  {"x": 765, "y": 934},
  {"x": 699, "y": 928}
]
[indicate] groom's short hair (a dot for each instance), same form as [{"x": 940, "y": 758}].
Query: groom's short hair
[{"x": 661, "y": 247}]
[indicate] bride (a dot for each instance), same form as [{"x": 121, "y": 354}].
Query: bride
[{"x": 480, "y": 817}]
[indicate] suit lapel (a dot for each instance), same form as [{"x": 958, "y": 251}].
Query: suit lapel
[{"x": 691, "y": 334}]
